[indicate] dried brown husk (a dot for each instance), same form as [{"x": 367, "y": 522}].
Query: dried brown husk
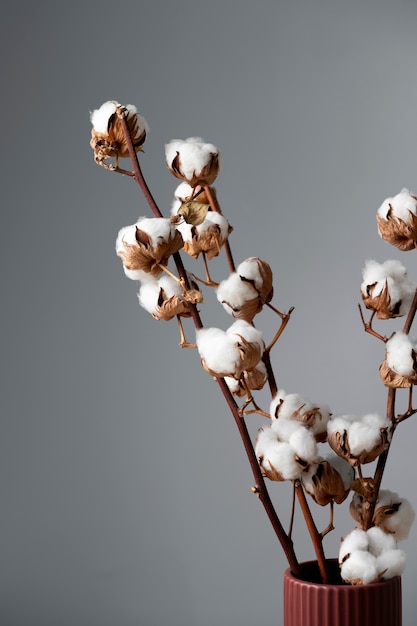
[
  {"x": 205, "y": 177},
  {"x": 142, "y": 255},
  {"x": 254, "y": 379},
  {"x": 402, "y": 235},
  {"x": 247, "y": 311},
  {"x": 381, "y": 303},
  {"x": 250, "y": 353},
  {"x": 113, "y": 144},
  {"x": 339, "y": 442},
  {"x": 193, "y": 212},
  {"x": 393, "y": 380},
  {"x": 208, "y": 241},
  {"x": 176, "y": 305},
  {"x": 328, "y": 485}
]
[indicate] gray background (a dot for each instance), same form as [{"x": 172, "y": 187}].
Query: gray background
[{"x": 125, "y": 493}]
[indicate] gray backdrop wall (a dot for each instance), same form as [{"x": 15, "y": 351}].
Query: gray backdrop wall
[{"x": 125, "y": 493}]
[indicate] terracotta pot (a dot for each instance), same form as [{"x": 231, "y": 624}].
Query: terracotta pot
[{"x": 307, "y": 602}]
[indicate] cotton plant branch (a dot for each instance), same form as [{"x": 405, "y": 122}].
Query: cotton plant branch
[
  {"x": 239, "y": 361},
  {"x": 391, "y": 415},
  {"x": 260, "y": 487}
]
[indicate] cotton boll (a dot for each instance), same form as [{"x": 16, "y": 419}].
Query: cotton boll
[
  {"x": 391, "y": 563},
  {"x": 250, "y": 270},
  {"x": 232, "y": 293},
  {"x": 394, "y": 514},
  {"x": 402, "y": 205},
  {"x": 127, "y": 234},
  {"x": 217, "y": 350},
  {"x": 194, "y": 153},
  {"x": 399, "y": 354},
  {"x": 149, "y": 292},
  {"x": 287, "y": 405},
  {"x": 363, "y": 436},
  {"x": 360, "y": 567}
]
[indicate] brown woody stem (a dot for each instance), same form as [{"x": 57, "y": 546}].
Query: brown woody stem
[{"x": 316, "y": 537}]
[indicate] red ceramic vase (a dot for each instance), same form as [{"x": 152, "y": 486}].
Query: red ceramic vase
[{"x": 307, "y": 602}]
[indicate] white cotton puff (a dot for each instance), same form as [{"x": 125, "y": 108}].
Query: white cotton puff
[
  {"x": 400, "y": 522},
  {"x": 275, "y": 404},
  {"x": 159, "y": 229},
  {"x": 365, "y": 433},
  {"x": 218, "y": 350},
  {"x": 284, "y": 429},
  {"x": 391, "y": 563},
  {"x": 233, "y": 292},
  {"x": 232, "y": 383},
  {"x": 265, "y": 438},
  {"x": 183, "y": 191},
  {"x": 249, "y": 269},
  {"x": 292, "y": 403},
  {"x": 214, "y": 218},
  {"x": 340, "y": 423},
  {"x": 245, "y": 330},
  {"x": 281, "y": 457},
  {"x": 379, "y": 541},
  {"x": 356, "y": 540},
  {"x": 304, "y": 444},
  {"x": 194, "y": 154},
  {"x": 100, "y": 117},
  {"x": 148, "y": 296},
  {"x": 149, "y": 292},
  {"x": 402, "y": 205},
  {"x": 399, "y": 354},
  {"x": 360, "y": 566}
]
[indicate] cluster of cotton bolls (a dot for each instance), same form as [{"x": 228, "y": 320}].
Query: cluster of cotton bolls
[
  {"x": 293, "y": 406},
  {"x": 368, "y": 556},
  {"x": 207, "y": 236},
  {"x": 231, "y": 352},
  {"x": 386, "y": 289},
  {"x": 287, "y": 449},
  {"x": 359, "y": 440}
]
